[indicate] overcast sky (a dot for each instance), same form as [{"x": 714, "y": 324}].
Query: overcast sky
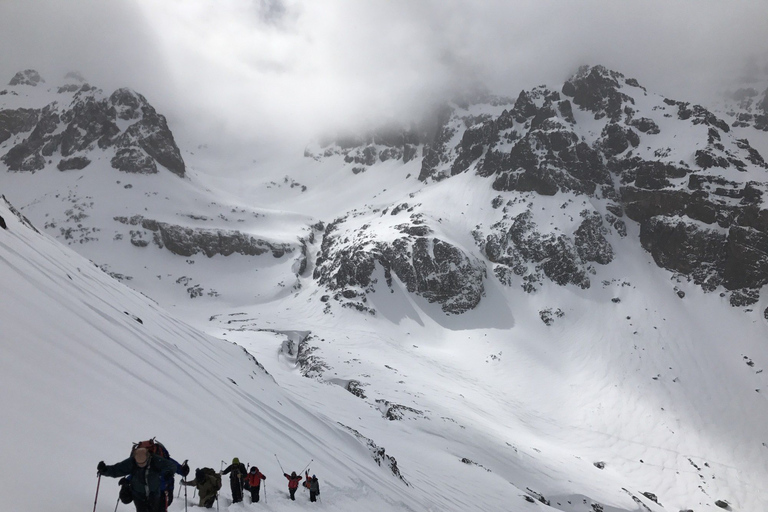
[{"x": 264, "y": 70}]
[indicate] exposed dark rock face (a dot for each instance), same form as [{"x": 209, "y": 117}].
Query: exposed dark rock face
[
  {"x": 597, "y": 90},
  {"x": 133, "y": 160},
  {"x": 520, "y": 249},
  {"x": 185, "y": 241},
  {"x": 427, "y": 266},
  {"x": 686, "y": 247},
  {"x": 77, "y": 163},
  {"x": 698, "y": 214},
  {"x": 27, "y": 77},
  {"x": 388, "y": 143},
  {"x": 89, "y": 121}
]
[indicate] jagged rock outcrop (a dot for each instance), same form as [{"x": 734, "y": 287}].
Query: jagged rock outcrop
[
  {"x": 518, "y": 247},
  {"x": 427, "y": 266},
  {"x": 83, "y": 120},
  {"x": 698, "y": 202},
  {"x": 601, "y": 140},
  {"x": 185, "y": 241},
  {"x": 27, "y": 77}
]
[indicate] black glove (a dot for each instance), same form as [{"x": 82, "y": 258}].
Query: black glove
[
  {"x": 122, "y": 481},
  {"x": 184, "y": 469},
  {"x": 101, "y": 467}
]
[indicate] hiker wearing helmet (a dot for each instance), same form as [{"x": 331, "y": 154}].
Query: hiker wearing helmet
[
  {"x": 237, "y": 473},
  {"x": 293, "y": 483},
  {"x": 145, "y": 471},
  {"x": 254, "y": 479}
]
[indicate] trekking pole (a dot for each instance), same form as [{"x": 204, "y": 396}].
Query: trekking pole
[
  {"x": 98, "y": 484},
  {"x": 278, "y": 463},
  {"x": 117, "y": 502},
  {"x": 265, "y": 493},
  {"x": 307, "y": 466},
  {"x": 185, "y": 494}
]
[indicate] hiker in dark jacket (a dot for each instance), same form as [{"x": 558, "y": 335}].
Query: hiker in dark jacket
[
  {"x": 145, "y": 472},
  {"x": 254, "y": 480},
  {"x": 293, "y": 483},
  {"x": 237, "y": 473},
  {"x": 314, "y": 487},
  {"x": 207, "y": 485}
]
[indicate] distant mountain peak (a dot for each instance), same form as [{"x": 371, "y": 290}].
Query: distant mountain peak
[
  {"x": 80, "y": 119},
  {"x": 27, "y": 77}
]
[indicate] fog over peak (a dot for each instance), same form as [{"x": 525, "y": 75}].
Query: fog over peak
[{"x": 275, "y": 71}]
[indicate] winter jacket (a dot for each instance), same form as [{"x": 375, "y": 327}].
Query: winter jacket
[
  {"x": 314, "y": 486},
  {"x": 146, "y": 480},
  {"x": 254, "y": 479},
  {"x": 237, "y": 471},
  {"x": 206, "y": 488},
  {"x": 293, "y": 482}
]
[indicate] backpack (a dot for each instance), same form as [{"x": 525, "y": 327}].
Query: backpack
[
  {"x": 153, "y": 447},
  {"x": 214, "y": 474},
  {"x": 157, "y": 449}
]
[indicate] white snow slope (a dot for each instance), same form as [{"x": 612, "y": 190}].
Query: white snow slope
[{"x": 668, "y": 394}]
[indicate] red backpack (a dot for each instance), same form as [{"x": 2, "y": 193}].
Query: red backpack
[{"x": 153, "y": 448}]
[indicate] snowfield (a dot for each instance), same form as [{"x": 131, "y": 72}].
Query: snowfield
[{"x": 641, "y": 393}]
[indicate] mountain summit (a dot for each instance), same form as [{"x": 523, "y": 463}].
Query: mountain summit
[{"x": 80, "y": 123}]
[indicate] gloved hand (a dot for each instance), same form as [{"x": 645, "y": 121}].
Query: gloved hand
[
  {"x": 184, "y": 469},
  {"x": 122, "y": 481},
  {"x": 101, "y": 467}
]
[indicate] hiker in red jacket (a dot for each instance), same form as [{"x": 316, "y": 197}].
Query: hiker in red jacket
[
  {"x": 293, "y": 483},
  {"x": 254, "y": 479}
]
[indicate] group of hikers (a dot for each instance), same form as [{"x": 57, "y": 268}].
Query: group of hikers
[{"x": 148, "y": 479}]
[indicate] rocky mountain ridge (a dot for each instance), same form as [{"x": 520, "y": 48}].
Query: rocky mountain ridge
[
  {"x": 604, "y": 141},
  {"x": 136, "y": 138}
]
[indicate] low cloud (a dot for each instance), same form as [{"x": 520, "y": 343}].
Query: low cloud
[{"x": 269, "y": 72}]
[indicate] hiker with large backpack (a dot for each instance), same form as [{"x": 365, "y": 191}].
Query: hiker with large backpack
[
  {"x": 237, "y": 473},
  {"x": 145, "y": 472},
  {"x": 293, "y": 483},
  {"x": 208, "y": 482},
  {"x": 254, "y": 480}
]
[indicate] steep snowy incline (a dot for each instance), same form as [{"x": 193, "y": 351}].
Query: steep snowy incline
[{"x": 88, "y": 366}]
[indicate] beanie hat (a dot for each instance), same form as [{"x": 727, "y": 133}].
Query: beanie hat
[
  {"x": 235, "y": 461},
  {"x": 141, "y": 456}
]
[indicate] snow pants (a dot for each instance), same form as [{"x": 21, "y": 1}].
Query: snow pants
[
  {"x": 255, "y": 493},
  {"x": 237, "y": 490}
]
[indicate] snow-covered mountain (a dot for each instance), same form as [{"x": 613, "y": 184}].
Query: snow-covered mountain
[{"x": 553, "y": 301}]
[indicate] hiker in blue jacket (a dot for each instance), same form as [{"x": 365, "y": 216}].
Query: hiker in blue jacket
[{"x": 146, "y": 472}]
